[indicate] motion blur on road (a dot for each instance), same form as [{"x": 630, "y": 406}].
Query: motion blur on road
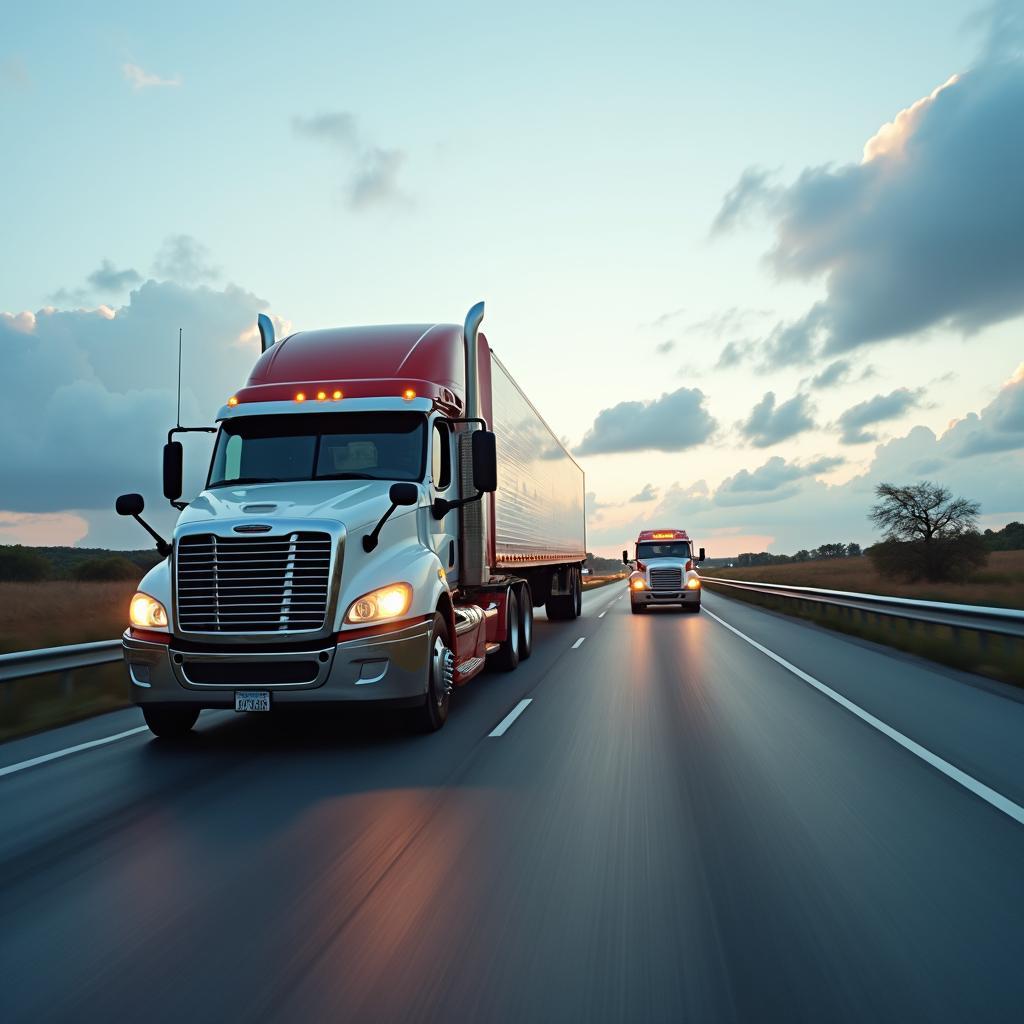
[{"x": 676, "y": 826}]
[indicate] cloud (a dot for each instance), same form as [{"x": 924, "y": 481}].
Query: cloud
[
  {"x": 107, "y": 278},
  {"x": 672, "y": 423},
  {"x": 749, "y": 193},
  {"x": 647, "y": 493},
  {"x": 875, "y": 410},
  {"x": 771, "y": 481},
  {"x": 664, "y": 347},
  {"x": 65, "y": 528},
  {"x": 371, "y": 176},
  {"x": 837, "y": 372},
  {"x": 769, "y": 424},
  {"x": 185, "y": 260},
  {"x": 1000, "y": 427},
  {"x": 923, "y": 232},
  {"x": 138, "y": 78},
  {"x": 733, "y": 354}
]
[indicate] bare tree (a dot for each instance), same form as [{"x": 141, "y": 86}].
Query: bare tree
[{"x": 928, "y": 532}]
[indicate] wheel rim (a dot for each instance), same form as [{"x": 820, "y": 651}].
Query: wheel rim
[{"x": 442, "y": 672}]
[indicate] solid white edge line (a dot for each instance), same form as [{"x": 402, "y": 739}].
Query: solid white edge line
[
  {"x": 989, "y": 795},
  {"x": 43, "y": 758},
  {"x": 579, "y": 643},
  {"x": 503, "y": 726}
]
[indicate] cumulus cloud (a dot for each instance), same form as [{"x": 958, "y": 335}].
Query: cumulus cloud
[
  {"x": 925, "y": 231},
  {"x": 664, "y": 347},
  {"x": 853, "y": 421},
  {"x": 837, "y": 372},
  {"x": 371, "y": 175},
  {"x": 184, "y": 259},
  {"x": 91, "y": 393},
  {"x": 733, "y": 354},
  {"x": 1000, "y": 427},
  {"x": 138, "y": 78},
  {"x": 771, "y": 482},
  {"x": 769, "y": 423},
  {"x": 107, "y": 278},
  {"x": 647, "y": 493},
  {"x": 672, "y": 423}
]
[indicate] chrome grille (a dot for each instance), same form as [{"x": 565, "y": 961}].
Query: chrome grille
[
  {"x": 253, "y": 584},
  {"x": 667, "y": 579}
]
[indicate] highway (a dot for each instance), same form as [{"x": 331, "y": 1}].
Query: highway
[{"x": 677, "y": 827}]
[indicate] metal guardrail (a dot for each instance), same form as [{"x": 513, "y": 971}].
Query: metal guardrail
[
  {"x": 48, "y": 660},
  {"x": 979, "y": 618}
]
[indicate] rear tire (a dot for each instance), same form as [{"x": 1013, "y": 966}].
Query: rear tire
[
  {"x": 564, "y": 607},
  {"x": 170, "y": 723},
  {"x": 433, "y": 713},
  {"x": 507, "y": 655},
  {"x": 525, "y": 622}
]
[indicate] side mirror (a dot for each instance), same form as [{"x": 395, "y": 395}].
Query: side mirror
[
  {"x": 485, "y": 461},
  {"x": 625, "y": 558},
  {"x": 701, "y": 556},
  {"x": 404, "y": 494},
  {"x": 130, "y": 505},
  {"x": 173, "y": 460}
]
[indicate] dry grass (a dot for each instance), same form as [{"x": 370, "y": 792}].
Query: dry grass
[
  {"x": 590, "y": 582},
  {"x": 59, "y": 612},
  {"x": 1000, "y": 583}
]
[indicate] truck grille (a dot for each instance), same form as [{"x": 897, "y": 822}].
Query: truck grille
[
  {"x": 253, "y": 584},
  {"x": 667, "y": 579}
]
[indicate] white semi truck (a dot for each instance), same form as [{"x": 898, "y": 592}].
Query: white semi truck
[
  {"x": 664, "y": 571},
  {"x": 383, "y": 511}
]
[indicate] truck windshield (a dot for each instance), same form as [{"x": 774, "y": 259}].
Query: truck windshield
[
  {"x": 663, "y": 549},
  {"x": 320, "y": 446}
]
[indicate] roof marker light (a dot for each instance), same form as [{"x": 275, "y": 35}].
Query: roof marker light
[
  {"x": 408, "y": 394},
  {"x": 337, "y": 395},
  {"x": 300, "y": 397},
  {"x": 233, "y": 401},
  {"x": 321, "y": 396}
]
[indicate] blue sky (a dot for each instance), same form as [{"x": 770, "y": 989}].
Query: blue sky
[{"x": 353, "y": 164}]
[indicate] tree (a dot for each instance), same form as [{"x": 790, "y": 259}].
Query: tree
[
  {"x": 853, "y": 550},
  {"x": 928, "y": 534},
  {"x": 114, "y": 567},
  {"x": 803, "y": 555},
  {"x": 22, "y": 564},
  {"x": 1009, "y": 538},
  {"x": 830, "y": 551}
]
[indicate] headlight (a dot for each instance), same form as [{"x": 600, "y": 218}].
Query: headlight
[
  {"x": 385, "y": 603},
  {"x": 637, "y": 584},
  {"x": 147, "y": 613},
  {"x": 693, "y": 583}
]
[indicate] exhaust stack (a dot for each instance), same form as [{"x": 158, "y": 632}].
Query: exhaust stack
[
  {"x": 474, "y": 570},
  {"x": 266, "y": 326}
]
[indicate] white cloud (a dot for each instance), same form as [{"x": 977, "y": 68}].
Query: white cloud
[
  {"x": 138, "y": 78},
  {"x": 674, "y": 422}
]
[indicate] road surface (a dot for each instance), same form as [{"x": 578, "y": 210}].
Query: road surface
[{"x": 677, "y": 826}]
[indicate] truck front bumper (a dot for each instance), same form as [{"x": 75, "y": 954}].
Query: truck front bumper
[
  {"x": 655, "y": 597},
  {"x": 385, "y": 667}
]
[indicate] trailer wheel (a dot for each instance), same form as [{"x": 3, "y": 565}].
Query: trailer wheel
[
  {"x": 507, "y": 655},
  {"x": 578, "y": 576},
  {"x": 433, "y": 713},
  {"x": 566, "y": 606},
  {"x": 525, "y": 622},
  {"x": 169, "y": 722}
]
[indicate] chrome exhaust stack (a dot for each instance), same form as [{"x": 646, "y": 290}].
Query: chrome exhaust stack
[
  {"x": 266, "y": 326},
  {"x": 474, "y": 570}
]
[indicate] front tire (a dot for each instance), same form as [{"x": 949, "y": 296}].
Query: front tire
[
  {"x": 170, "y": 723},
  {"x": 637, "y": 609},
  {"x": 433, "y": 713}
]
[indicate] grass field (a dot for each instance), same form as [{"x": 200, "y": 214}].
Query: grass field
[{"x": 1000, "y": 583}]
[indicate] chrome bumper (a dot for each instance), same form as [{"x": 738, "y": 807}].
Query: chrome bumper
[
  {"x": 683, "y": 596},
  {"x": 388, "y": 666}
]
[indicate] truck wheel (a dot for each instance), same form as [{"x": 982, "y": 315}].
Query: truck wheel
[
  {"x": 525, "y": 622},
  {"x": 507, "y": 655},
  {"x": 566, "y": 606},
  {"x": 169, "y": 722},
  {"x": 433, "y": 713},
  {"x": 637, "y": 609},
  {"x": 579, "y": 593}
]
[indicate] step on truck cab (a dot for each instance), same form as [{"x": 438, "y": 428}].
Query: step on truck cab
[
  {"x": 383, "y": 511},
  {"x": 664, "y": 571}
]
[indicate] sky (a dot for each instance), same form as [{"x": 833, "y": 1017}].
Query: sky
[{"x": 748, "y": 260}]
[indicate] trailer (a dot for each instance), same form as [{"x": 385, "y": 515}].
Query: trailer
[{"x": 383, "y": 511}]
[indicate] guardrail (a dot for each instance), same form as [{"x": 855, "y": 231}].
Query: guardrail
[
  {"x": 978, "y": 618},
  {"x": 50, "y": 660}
]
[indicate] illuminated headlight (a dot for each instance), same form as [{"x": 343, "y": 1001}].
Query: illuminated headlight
[
  {"x": 147, "y": 613},
  {"x": 637, "y": 583},
  {"x": 385, "y": 603},
  {"x": 693, "y": 583}
]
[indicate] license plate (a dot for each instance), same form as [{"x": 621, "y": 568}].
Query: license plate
[{"x": 252, "y": 700}]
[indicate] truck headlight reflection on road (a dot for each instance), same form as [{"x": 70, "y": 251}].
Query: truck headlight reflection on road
[
  {"x": 147, "y": 612},
  {"x": 384, "y": 603}
]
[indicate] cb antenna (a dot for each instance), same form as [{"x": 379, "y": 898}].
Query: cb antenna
[{"x": 178, "y": 419}]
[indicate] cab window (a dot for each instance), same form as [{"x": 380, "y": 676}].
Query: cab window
[{"x": 441, "y": 456}]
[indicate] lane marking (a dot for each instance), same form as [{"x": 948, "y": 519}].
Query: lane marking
[
  {"x": 579, "y": 643},
  {"x": 43, "y": 758},
  {"x": 603, "y": 614},
  {"x": 989, "y": 795},
  {"x": 503, "y": 726}
]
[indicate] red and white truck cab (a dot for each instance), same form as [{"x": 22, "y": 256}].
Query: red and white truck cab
[
  {"x": 664, "y": 571},
  {"x": 383, "y": 511}
]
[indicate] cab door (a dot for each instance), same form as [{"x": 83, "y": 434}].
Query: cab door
[{"x": 444, "y": 535}]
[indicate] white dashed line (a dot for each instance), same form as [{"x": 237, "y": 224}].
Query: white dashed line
[
  {"x": 603, "y": 614},
  {"x": 503, "y": 726},
  {"x": 579, "y": 643}
]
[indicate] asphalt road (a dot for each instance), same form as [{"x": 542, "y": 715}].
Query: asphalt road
[{"x": 676, "y": 827}]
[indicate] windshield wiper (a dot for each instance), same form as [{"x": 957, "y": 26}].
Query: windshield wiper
[{"x": 250, "y": 480}]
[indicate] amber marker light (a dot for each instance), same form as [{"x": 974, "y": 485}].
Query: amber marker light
[
  {"x": 408, "y": 394},
  {"x": 337, "y": 396},
  {"x": 321, "y": 396},
  {"x": 300, "y": 397},
  {"x": 233, "y": 401}
]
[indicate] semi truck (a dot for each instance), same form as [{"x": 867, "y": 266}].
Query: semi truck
[
  {"x": 383, "y": 511},
  {"x": 664, "y": 571}
]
